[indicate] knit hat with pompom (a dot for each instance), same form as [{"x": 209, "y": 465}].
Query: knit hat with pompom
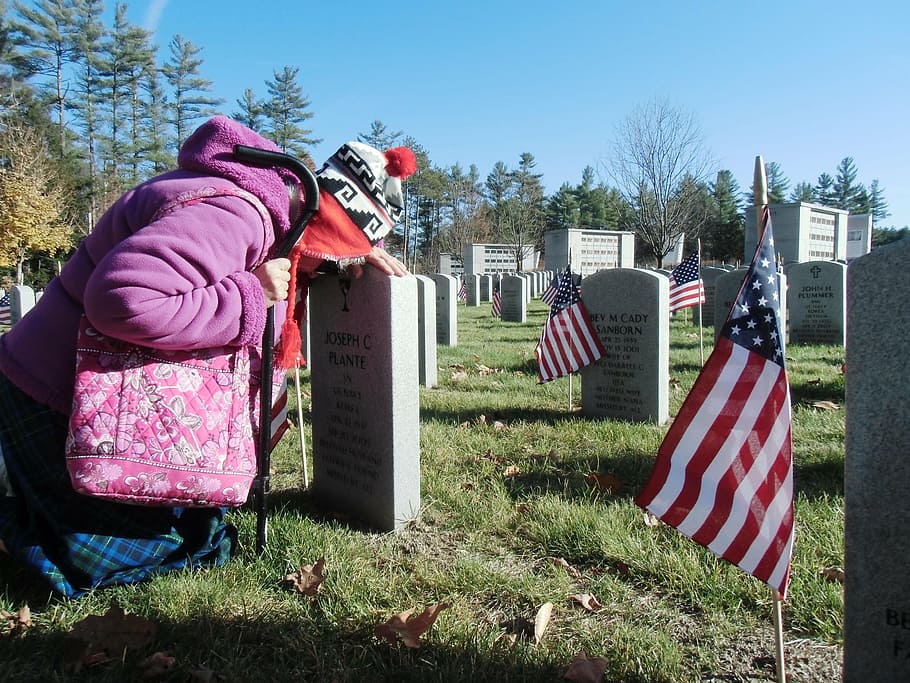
[{"x": 360, "y": 201}]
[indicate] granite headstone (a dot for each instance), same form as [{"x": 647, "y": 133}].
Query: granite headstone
[
  {"x": 817, "y": 301},
  {"x": 630, "y": 309},
  {"x": 877, "y": 469},
  {"x": 365, "y": 397}
]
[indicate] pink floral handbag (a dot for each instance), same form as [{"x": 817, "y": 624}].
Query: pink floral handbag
[{"x": 156, "y": 427}]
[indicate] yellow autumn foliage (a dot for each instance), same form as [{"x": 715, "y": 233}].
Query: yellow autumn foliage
[{"x": 31, "y": 216}]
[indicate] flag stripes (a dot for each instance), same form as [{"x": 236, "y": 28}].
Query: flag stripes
[
  {"x": 690, "y": 294},
  {"x": 724, "y": 472},
  {"x": 280, "y": 422},
  {"x": 568, "y": 341},
  {"x": 6, "y": 316},
  {"x": 686, "y": 286}
]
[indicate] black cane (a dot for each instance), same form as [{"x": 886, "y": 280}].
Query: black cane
[{"x": 260, "y": 489}]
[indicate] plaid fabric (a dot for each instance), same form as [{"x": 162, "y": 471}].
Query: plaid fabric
[{"x": 78, "y": 542}]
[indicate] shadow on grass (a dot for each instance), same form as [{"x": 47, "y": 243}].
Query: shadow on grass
[
  {"x": 817, "y": 390},
  {"x": 274, "y": 647}
]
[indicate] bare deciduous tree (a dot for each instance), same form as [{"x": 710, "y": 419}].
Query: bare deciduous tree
[{"x": 659, "y": 164}]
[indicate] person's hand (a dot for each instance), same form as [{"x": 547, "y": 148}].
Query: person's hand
[
  {"x": 384, "y": 261},
  {"x": 275, "y": 278}
]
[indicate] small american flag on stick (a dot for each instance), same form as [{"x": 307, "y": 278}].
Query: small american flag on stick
[
  {"x": 686, "y": 286},
  {"x": 724, "y": 472},
  {"x": 568, "y": 341}
]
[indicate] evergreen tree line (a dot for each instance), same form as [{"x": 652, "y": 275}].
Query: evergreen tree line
[{"x": 95, "y": 109}]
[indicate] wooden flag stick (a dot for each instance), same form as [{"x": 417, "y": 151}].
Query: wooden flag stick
[
  {"x": 701, "y": 328},
  {"x": 570, "y": 391},
  {"x": 760, "y": 199},
  {"x": 306, "y": 476},
  {"x": 779, "y": 637}
]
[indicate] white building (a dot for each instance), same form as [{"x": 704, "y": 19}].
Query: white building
[
  {"x": 450, "y": 264},
  {"x": 859, "y": 235},
  {"x": 591, "y": 250},
  {"x": 497, "y": 258},
  {"x": 802, "y": 232}
]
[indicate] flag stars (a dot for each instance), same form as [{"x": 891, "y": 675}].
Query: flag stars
[
  {"x": 770, "y": 279},
  {"x": 762, "y": 301},
  {"x": 751, "y": 324},
  {"x": 736, "y": 329},
  {"x": 756, "y": 284},
  {"x": 757, "y": 341},
  {"x": 765, "y": 263},
  {"x": 744, "y": 308}
]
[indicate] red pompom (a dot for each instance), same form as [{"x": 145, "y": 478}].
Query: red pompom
[{"x": 400, "y": 162}]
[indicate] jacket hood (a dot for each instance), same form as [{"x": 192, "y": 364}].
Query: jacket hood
[{"x": 210, "y": 150}]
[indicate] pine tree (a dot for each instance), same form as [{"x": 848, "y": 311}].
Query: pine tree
[
  {"x": 847, "y": 194},
  {"x": 380, "y": 136},
  {"x": 47, "y": 35},
  {"x": 156, "y": 132},
  {"x": 251, "y": 112},
  {"x": 126, "y": 56},
  {"x": 778, "y": 183},
  {"x": 802, "y": 192},
  {"x": 85, "y": 106},
  {"x": 190, "y": 101},
  {"x": 286, "y": 110},
  {"x": 562, "y": 209},
  {"x": 824, "y": 190},
  {"x": 725, "y": 225},
  {"x": 877, "y": 206}
]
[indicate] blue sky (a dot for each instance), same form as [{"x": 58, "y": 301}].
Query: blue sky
[{"x": 804, "y": 84}]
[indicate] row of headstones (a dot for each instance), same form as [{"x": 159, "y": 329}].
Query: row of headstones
[
  {"x": 22, "y": 299},
  {"x": 479, "y": 288},
  {"x": 366, "y": 417},
  {"x": 815, "y": 301}
]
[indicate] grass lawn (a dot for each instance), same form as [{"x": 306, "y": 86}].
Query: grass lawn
[{"x": 509, "y": 522}]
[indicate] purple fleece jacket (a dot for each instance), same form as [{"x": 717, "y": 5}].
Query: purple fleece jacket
[{"x": 179, "y": 281}]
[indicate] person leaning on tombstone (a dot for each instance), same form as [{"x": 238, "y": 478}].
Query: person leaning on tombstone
[{"x": 181, "y": 261}]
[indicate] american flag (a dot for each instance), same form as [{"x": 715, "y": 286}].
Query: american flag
[
  {"x": 6, "y": 317},
  {"x": 724, "y": 472},
  {"x": 496, "y": 309},
  {"x": 568, "y": 341},
  {"x": 550, "y": 292},
  {"x": 686, "y": 286},
  {"x": 280, "y": 421},
  {"x": 463, "y": 292}
]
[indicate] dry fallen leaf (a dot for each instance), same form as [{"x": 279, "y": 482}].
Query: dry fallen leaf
[
  {"x": 307, "y": 579},
  {"x": 815, "y": 381},
  {"x": 523, "y": 508},
  {"x": 459, "y": 375},
  {"x": 604, "y": 482},
  {"x": 467, "y": 486},
  {"x": 157, "y": 665},
  {"x": 587, "y": 600},
  {"x": 499, "y": 425},
  {"x": 825, "y": 405},
  {"x": 97, "y": 639},
  {"x": 18, "y": 622},
  {"x": 833, "y": 574},
  {"x": 511, "y": 471},
  {"x": 570, "y": 570},
  {"x": 407, "y": 628},
  {"x": 584, "y": 669},
  {"x": 542, "y": 620}
]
